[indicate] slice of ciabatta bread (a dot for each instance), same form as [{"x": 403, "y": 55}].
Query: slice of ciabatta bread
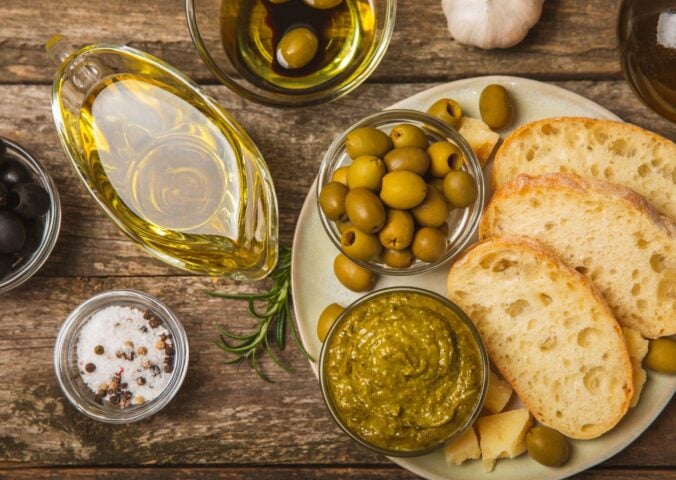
[
  {"x": 613, "y": 151},
  {"x": 605, "y": 231},
  {"x": 548, "y": 331}
]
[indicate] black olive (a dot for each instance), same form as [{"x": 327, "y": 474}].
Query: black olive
[
  {"x": 5, "y": 265},
  {"x": 13, "y": 172},
  {"x": 12, "y": 232},
  {"x": 3, "y": 193},
  {"x": 29, "y": 200}
]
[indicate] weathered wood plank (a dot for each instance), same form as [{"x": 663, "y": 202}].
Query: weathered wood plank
[
  {"x": 285, "y": 473},
  {"x": 222, "y": 415},
  {"x": 292, "y": 141},
  {"x": 574, "y": 39}
]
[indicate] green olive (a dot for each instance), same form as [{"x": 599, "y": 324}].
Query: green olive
[
  {"x": 433, "y": 211},
  {"x": 343, "y": 225},
  {"x": 403, "y": 189},
  {"x": 365, "y": 210},
  {"x": 547, "y": 446},
  {"x": 398, "y": 258},
  {"x": 367, "y": 141},
  {"x": 359, "y": 245},
  {"x": 366, "y": 171},
  {"x": 413, "y": 159},
  {"x": 437, "y": 183},
  {"x": 446, "y": 110},
  {"x": 429, "y": 244},
  {"x": 332, "y": 200},
  {"x": 322, "y": 4},
  {"x": 444, "y": 157},
  {"x": 397, "y": 233},
  {"x": 340, "y": 175},
  {"x": 662, "y": 355},
  {"x": 407, "y": 135},
  {"x": 495, "y": 106},
  {"x": 297, "y": 48},
  {"x": 351, "y": 275},
  {"x": 326, "y": 320},
  {"x": 460, "y": 188}
]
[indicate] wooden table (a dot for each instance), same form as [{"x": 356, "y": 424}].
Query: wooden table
[{"x": 225, "y": 422}]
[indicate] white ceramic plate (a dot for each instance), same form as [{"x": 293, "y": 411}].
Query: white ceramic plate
[{"x": 315, "y": 286}]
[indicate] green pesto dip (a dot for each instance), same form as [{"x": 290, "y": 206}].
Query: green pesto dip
[{"x": 404, "y": 371}]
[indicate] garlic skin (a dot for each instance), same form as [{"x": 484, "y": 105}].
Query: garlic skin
[{"x": 491, "y": 23}]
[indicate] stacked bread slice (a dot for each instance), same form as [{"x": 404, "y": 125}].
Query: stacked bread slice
[{"x": 565, "y": 255}]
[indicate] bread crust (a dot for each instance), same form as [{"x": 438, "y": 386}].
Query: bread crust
[
  {"x": 651, "y": 324},
  {"x": 582, "y": 185},
  {"x": 504, "y": 155},
  {"x": 544, "y": 254}
]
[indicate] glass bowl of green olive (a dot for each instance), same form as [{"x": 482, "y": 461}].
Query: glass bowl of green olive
[
  {"x": 400, "y": 192},
  {"x": 291, "y": 52}
]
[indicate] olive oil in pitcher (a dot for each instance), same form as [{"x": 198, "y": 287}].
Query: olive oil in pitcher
[{"x": 168, "y": 165}]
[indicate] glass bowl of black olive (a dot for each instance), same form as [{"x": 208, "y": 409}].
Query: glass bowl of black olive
[{"x": 30, "y": 215}]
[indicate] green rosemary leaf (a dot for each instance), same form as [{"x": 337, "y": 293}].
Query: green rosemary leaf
[{"x": 272, "y": 312}]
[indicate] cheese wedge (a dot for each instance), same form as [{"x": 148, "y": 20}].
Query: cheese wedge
[
  {"x": 465, "y": 447},
  {"x": 498, "y": 394},
  {"x": 503, "y": 435}
]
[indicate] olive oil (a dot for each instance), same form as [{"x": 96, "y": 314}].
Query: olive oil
[
  {"x": 176, "y": 177},
  {"x": 251, "y": 31},
  {"x": 647, "y": 36}
]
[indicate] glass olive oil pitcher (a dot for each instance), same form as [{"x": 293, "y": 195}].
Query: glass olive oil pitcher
[{"x": 169, "y": 166}]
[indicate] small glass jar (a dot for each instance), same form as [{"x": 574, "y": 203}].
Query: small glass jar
[
  {"x": 463, "y": 223},
  {"x": 209, "y": 30},
  {"x": 51, "y": 221},
  {"x": 68, "y": 373},
  {"x": 475, "y": 341}
]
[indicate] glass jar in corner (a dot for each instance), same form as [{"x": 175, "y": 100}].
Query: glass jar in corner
[
  {"x": 647, "y": 41},
  {"x": 166, "y": 162}
]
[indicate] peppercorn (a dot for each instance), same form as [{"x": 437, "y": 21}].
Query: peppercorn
[
  {"x": 90, "y": 367},
  {"x": 113, "y": 399},
  {"x": 153, "y": 322},
  {"x": 98, "y": 349},
  {"x": 138, "y": 399},
  {"x": 168, "y": 367},
  {"x": 129, "y": 344},
  {"x": 141, "y": 380},
  {"x": 159, "y": 345},
  {"x": 142, "y": 350}
]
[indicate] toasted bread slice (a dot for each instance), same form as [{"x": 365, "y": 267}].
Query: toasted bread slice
[
  {"x": 613, "y": 151},
  {"x": 605, "y": 231},
  {"x": 548, "y": 331}
]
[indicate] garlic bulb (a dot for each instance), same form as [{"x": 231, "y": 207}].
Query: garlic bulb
[{"x": 491, "y": 23}]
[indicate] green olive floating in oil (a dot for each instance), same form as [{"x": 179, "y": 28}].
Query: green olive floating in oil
[
  {"x": 297, "y": 48},
  {"x": 322, "y": 4}
]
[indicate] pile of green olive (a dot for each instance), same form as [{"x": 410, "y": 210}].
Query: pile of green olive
[{"x": 392, "y": 203}]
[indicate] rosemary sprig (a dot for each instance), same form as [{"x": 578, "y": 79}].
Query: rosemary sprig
[{"x": 271, "y": 321}]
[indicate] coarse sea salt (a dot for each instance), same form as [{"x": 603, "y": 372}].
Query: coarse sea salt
[{"x": 134, "y": 353}]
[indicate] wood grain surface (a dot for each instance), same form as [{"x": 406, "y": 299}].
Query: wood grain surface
[{"x": 225, "y": 422}]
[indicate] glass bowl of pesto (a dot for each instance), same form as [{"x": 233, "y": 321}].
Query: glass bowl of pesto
[
  {"x": 461, "y": 224},
  {"x": 403, "y": 371}
]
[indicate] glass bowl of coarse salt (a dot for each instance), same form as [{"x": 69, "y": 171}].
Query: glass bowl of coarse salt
[{"x": 121, "y": 356}]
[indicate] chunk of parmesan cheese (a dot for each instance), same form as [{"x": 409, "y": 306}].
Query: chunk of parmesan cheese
[
  {"x": 503, "y": 435},
  {"x": 480, "y": 137},
  {"x": 499, "y": 393},
  {"x": 465, "y": 447}
]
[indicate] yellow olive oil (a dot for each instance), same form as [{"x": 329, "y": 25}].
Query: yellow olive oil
[
  {"x": 177, "y": 177},
  {"x": 251, "y": 31}
]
